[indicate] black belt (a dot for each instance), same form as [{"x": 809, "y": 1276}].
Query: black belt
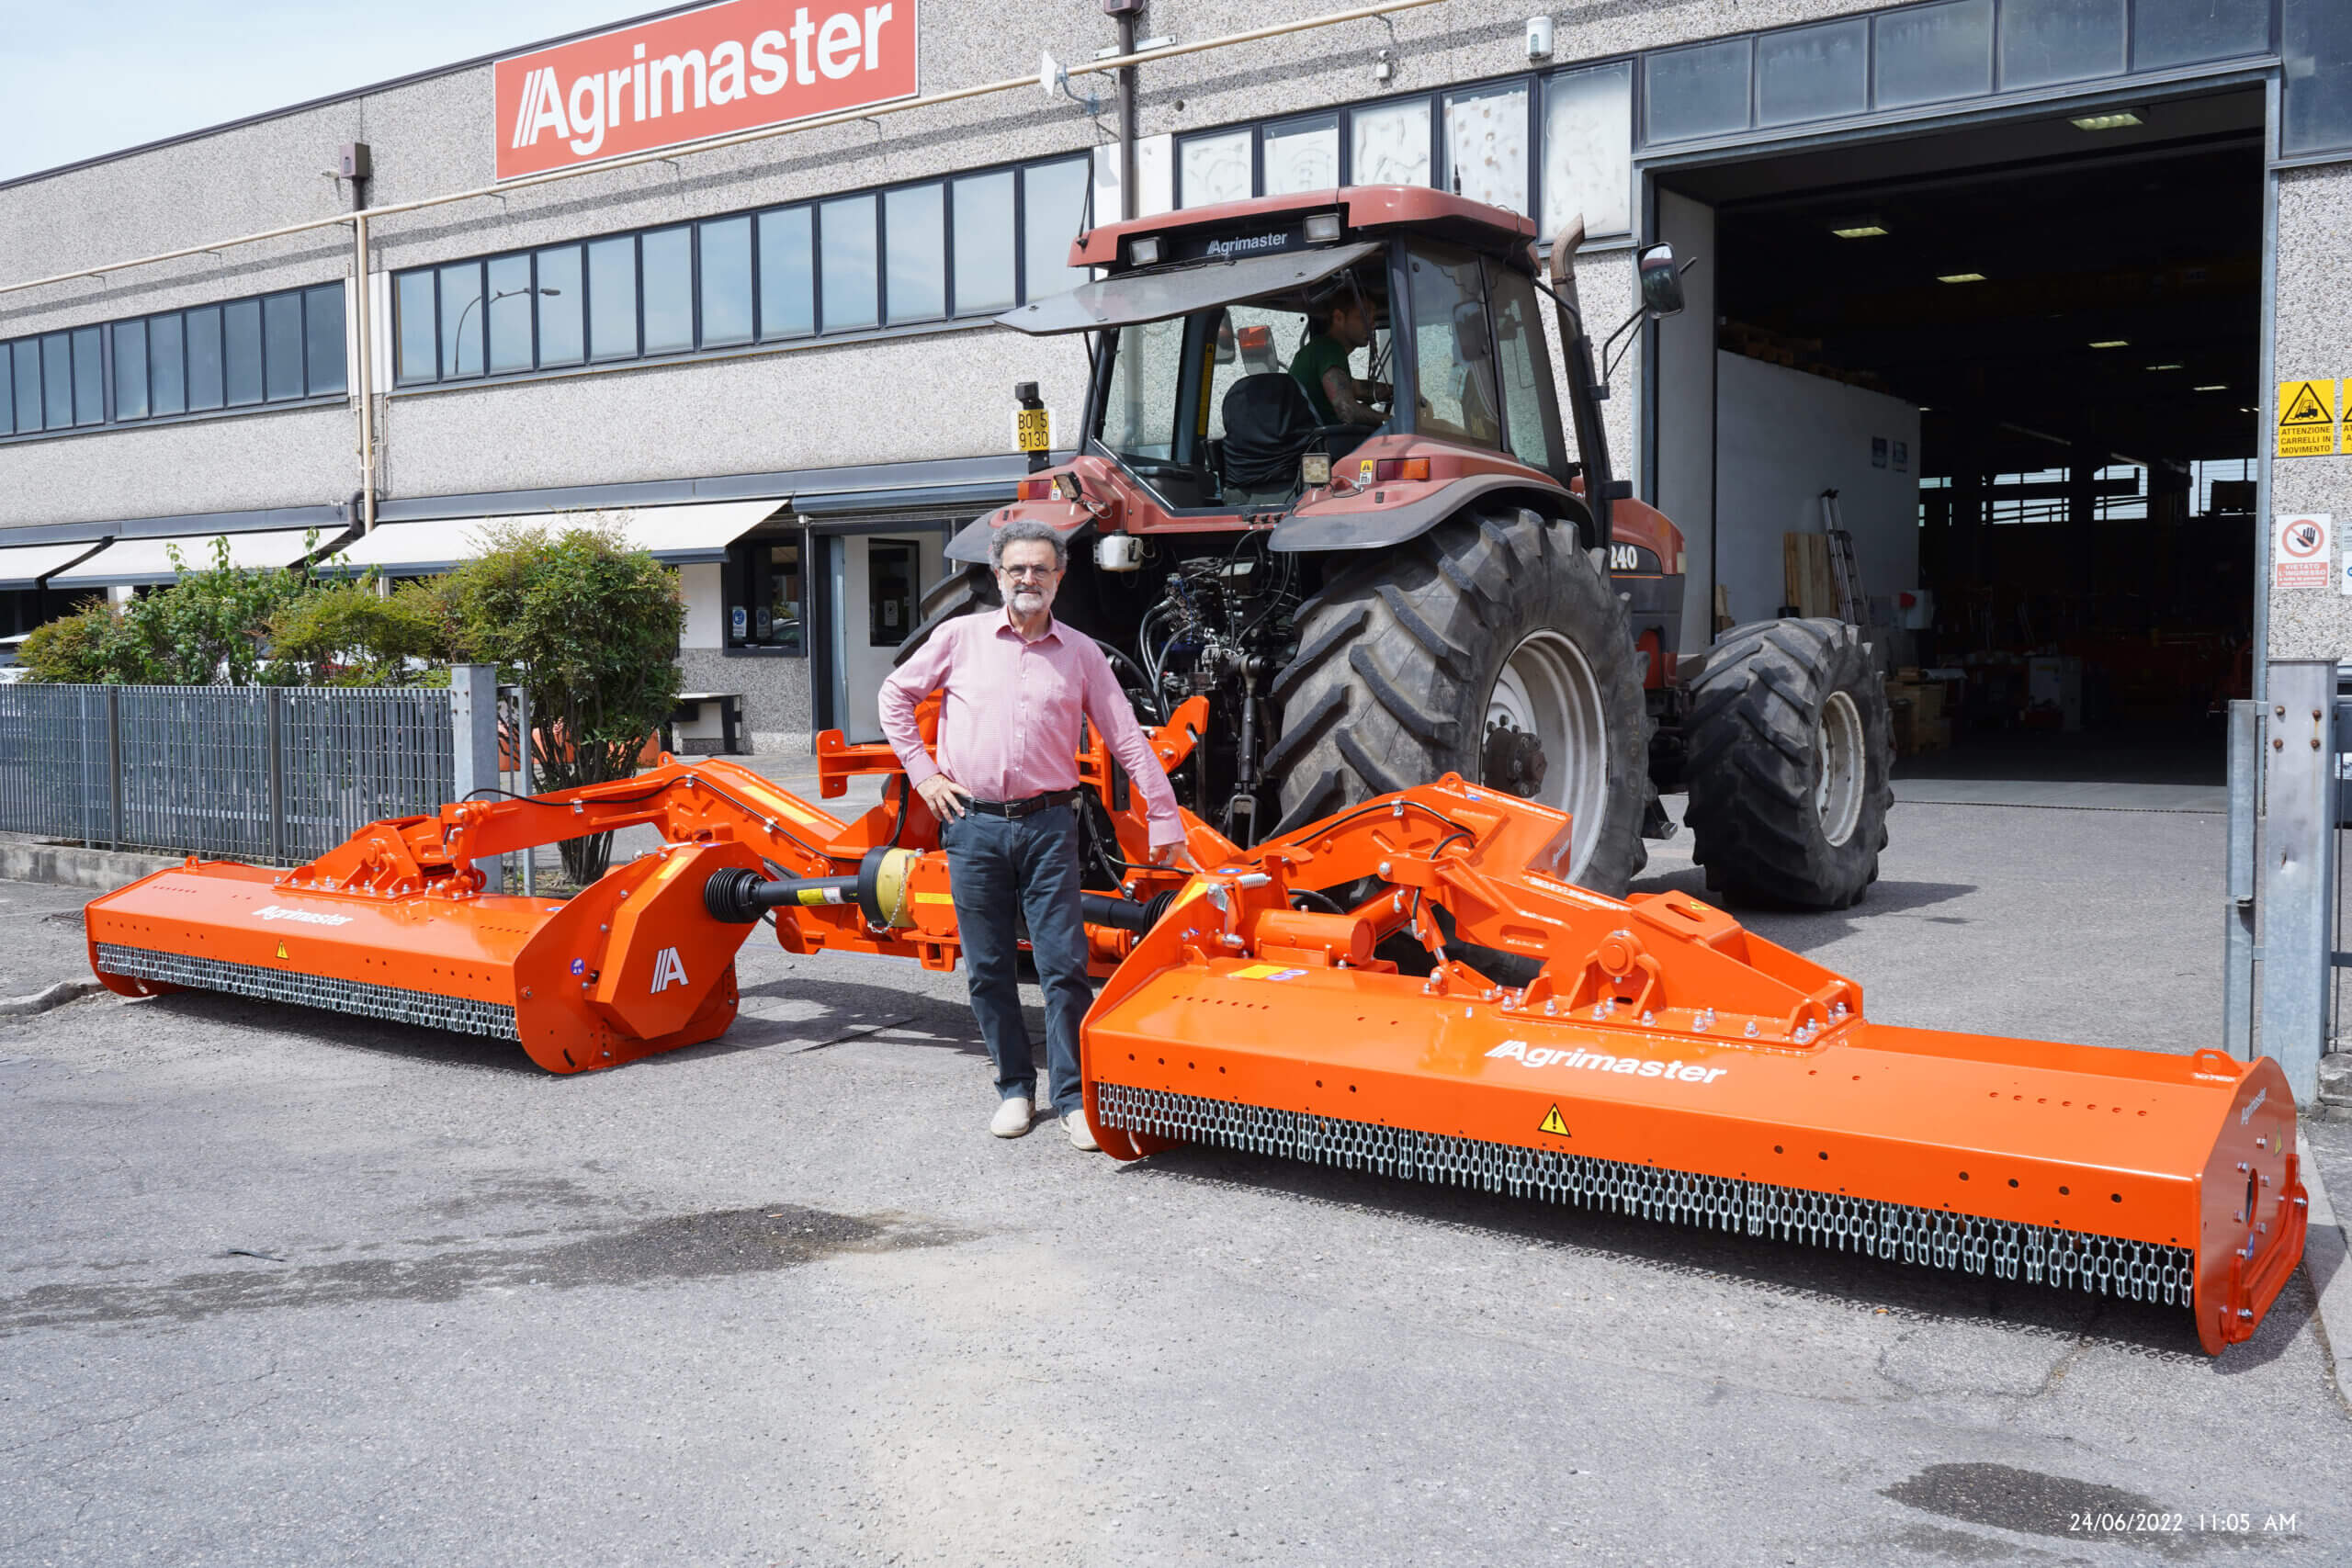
[{"x": 1017, "y": 808}]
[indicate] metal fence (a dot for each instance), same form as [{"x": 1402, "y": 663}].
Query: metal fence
[{"x": 246, "y": 772}]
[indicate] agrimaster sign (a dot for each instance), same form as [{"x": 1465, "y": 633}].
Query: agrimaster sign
[{"x": 737, "y": 66}]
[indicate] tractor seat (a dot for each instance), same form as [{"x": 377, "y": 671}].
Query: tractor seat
[{"x": 1269, "y": 425}]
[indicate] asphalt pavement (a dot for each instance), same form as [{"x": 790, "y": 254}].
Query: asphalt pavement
[{"x": 285, "y": 1288}]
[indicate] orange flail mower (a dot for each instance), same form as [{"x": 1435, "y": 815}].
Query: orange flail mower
[{"x": 1407, "y": 988}]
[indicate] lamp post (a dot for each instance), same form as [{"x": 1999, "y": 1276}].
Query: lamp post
[{"x": 458, "y": 331}]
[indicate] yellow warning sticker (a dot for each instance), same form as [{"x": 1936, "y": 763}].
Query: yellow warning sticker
[
  {"x": 1265, "y": 971},
  {"x": 2306, "y": 419},
  {"x": 934, "y": 898},
  {"x": 1553, "y": 1124},
  {"x": 281, "y": 950}
]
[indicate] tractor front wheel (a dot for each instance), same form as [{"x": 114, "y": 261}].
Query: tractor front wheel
[
  {"x": 1491, "y": 646},
  {"x": 1790, "y": 754}
]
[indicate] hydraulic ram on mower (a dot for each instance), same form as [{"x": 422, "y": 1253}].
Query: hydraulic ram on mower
[{"x": 1650, "y": 1056}]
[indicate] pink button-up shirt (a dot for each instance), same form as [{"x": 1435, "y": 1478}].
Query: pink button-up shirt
[{"x": 1009, "y": 724}]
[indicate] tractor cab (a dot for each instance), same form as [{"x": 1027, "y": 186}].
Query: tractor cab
[{"x": 1292, "y": 353}]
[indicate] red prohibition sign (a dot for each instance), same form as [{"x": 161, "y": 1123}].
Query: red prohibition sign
[{"x": 2303, "y": 540}]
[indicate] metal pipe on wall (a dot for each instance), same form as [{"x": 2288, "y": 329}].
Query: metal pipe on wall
[{"x": 1130, "y": 203}]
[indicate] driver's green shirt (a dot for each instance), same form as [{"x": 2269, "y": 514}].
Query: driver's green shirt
[{"x": 1315, "y": 356}]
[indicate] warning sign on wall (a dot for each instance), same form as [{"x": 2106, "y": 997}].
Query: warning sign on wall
[
  {"x": 2299, "y": 557},
  {"x": 2306, "y": 419}
]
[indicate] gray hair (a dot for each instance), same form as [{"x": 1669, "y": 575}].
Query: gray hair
[{"x": 1027, "y": 531}]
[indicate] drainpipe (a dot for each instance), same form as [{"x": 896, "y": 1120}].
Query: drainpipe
[
  {"x": 362, "y": 319},
  {"x": 1125, "y": 12}
]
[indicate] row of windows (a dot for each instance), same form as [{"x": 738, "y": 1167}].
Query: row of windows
[
  {"x": 274, "y": 348},
  {"x": 1481, "y": 141},
  {"x": 971, "y": 245}
]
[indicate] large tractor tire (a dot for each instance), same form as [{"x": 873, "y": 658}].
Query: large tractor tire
[
  {"x": 960, "y": 592},
  {"x": 1790, "y": 757},
  {"x": 1491, "y": 646}
]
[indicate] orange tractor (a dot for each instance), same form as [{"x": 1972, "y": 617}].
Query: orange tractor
[
  {"x": 1648, "y": 1056},
  {"x": 1437, "y": 724}
]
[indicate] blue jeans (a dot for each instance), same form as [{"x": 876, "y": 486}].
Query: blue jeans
[{"x": 999, "y": 865}]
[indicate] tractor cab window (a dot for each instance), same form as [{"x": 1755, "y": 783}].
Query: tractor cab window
[
  {"x": 1214, "y": 410},
  {"x": 1523, "y": 371},
  {"x": 1453, "y": 349}
]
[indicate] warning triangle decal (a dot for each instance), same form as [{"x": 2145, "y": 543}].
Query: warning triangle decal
[
  {"x": 2307, "y": 407},
  {"x": 281, "y": 950},
  {"x": 1552, "y": 1123}
]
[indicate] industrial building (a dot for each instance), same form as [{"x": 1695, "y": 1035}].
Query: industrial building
[{"x": 2005, "y": 286}]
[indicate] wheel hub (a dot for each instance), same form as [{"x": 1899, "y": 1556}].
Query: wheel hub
[
  {"x": 1513, "y": 760},
  {"x": 1838, "y": 763},
  {"x": 1546, "y": 736}
]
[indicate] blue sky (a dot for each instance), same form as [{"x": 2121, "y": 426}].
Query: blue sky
[{"x": 81, "y": 77}]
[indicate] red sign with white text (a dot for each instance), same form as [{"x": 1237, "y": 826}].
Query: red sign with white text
[{"x": 736, "y": 66}]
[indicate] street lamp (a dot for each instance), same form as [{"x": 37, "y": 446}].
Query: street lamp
[{"x": 458, "y": 331}]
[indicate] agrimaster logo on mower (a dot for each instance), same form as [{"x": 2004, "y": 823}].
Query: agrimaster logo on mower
[
  {"x": 304, "y": 917},
  {"x": 1594, "y": 1061}
]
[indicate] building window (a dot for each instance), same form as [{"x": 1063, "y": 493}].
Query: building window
[
  {"x": 1486, "y": 146},
  {"x": 845, "y": 264},
  {"x": 666, "y": 258},
  {"x": 1390, "y": 145},
  {"x": 766, "y": 604},
  {"x": 984, "y": 250},
  {"x": 1302, "y": 154},
  {"x": 511, "y": 297},
  {"x": 274, "y": 348},
  {"x": 725, "y": 281},
  {"x": 914, "y": 229},
  {"x": 969, "y": 245},
  {"x": 1217, "y": 167}
]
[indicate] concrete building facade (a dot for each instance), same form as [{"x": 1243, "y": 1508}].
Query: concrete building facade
[{"x": 806, "y": 322}]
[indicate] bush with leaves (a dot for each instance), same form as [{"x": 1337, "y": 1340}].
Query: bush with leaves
[
  {"x": 589, "y": 629},
  {"x": 209, "y": 629},
  {"x": 351, "y": 634}
]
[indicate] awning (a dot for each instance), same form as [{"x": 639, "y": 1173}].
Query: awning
[
  {"x": 674, "y": 534},
  {"x": 129, "y": 562},
  {"x": 23, "y": 565},
  {"x": 1135, "y": 298}
]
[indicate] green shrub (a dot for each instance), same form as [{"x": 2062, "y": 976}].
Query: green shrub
[
  {"x": 589, "y": 629},
  {"x": 71, "y": 649},
  {"x": 351, "y": 634}
]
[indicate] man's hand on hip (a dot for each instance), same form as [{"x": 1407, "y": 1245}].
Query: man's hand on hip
[{"x": 943, "y": 795}]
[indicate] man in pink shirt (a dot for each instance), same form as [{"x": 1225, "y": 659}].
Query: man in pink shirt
[{"x": 1016, "y": 684}]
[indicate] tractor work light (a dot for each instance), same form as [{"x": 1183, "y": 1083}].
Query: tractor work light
[
  {"x": 1144, "y": 252},
  {"x": 1322, "y": 227},
  {"x": 1315, "y": 469}
]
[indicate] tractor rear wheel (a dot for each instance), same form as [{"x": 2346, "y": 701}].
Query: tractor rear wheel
[
  {"x": 1491, "y": 646},
  {"x": 1790, "y": 757}
]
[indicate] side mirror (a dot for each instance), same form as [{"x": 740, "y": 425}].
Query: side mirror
[{"x": 1661, "y": 281}]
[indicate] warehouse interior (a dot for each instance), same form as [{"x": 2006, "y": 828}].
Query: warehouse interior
[{"x": 2026, "y": 355}]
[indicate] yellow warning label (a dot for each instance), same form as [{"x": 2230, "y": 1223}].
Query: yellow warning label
[
  {"x": 934, "y": 898},
  {"x": 2306, "y": 419},
  {"x": 1265, "y": 971},
  {"x": 281, "y": 950},
  {"x": 1035, "y": 429},
  {"x": 1553, "y": 1124}
]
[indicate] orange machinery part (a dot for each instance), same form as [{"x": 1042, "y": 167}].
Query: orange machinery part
[
  {"x": 1667, "y": 1062},
  {"x": 1648, "y": 1054}
]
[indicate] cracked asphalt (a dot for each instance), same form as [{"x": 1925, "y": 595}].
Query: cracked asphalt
[{"x": 281, "y": 1287}]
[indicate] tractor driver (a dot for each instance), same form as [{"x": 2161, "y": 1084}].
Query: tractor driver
[{"x": 1321, "y": 367}]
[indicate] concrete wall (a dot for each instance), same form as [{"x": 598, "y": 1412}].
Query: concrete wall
[
  {"x": 2314, "y": 265},
  {"x": 1783, "y": 438}
]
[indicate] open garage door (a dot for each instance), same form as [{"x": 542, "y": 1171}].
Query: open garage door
[{"x": 2024, "y": 357}]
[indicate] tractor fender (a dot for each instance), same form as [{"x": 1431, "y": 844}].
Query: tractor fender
[
  {"x": 971, "y": 541},
  {"x": 1377, "y": 530}
]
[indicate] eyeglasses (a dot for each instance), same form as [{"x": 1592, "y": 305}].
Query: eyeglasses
[{"x": 1019, "y": 572}]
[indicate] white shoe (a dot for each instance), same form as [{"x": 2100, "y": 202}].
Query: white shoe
[
  {"x": 1080, "y": 1136},
  {"x": 1012, "y": 1117}
]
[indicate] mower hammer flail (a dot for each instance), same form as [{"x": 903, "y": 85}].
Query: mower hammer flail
[{"x": 1408, "y": 987}]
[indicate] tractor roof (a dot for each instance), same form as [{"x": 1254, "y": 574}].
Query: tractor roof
[{"x": 1363, "y": 209}]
